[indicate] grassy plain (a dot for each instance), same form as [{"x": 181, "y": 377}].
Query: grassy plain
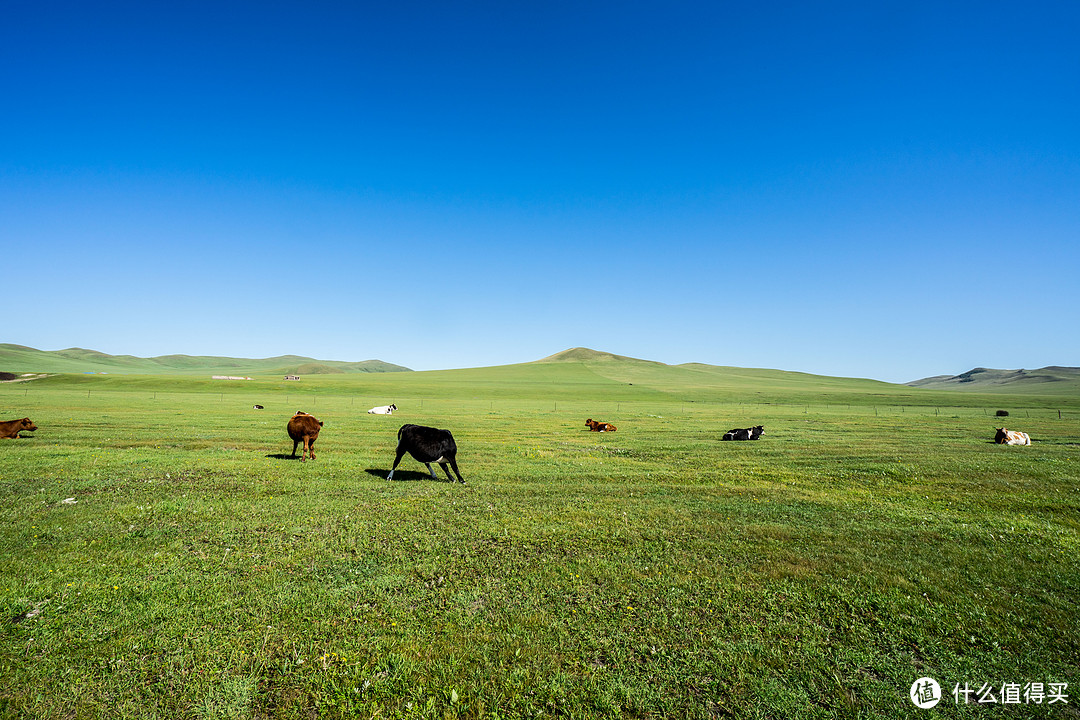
[{"x": 873, "y": 536}]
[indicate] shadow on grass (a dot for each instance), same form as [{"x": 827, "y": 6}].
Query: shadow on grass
[
  {"x": 283, "y": 456},
  {"x": 402, "y": 475}
]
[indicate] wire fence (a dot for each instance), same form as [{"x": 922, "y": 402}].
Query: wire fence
[{"x": 21, "y": 400}]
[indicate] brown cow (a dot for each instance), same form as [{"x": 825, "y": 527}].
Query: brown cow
[
  {"x": 600, "y": 426},
  {"x": 12, "y": 428},
  {"x": 304, "y": 428}
]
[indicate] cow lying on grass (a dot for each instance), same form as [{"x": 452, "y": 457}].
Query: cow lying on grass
[
  {"x": 595, "y": 426},
  {"x": 12, "y": 428},
  {"x": 304, "y": 428},
  {"x": 1011, "y": 437},
  {"x": 427, "y": 445},
  {"x": 744, "y": 433},
  {"x": 383, "y": 410}
]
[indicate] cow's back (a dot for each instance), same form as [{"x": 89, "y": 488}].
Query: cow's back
[
  {"x": 426, "y": 443},
  {"x": 303, "y": 424}
]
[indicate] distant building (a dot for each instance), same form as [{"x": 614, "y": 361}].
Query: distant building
[{"x": 292, "y": 377}]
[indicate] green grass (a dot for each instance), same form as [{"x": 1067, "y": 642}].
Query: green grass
[{"x": 873, "y": 536}]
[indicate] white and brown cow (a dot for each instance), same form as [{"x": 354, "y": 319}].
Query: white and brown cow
[
  {"x": 596, "y": 426},
  {"x": 1011, "y": 437}
]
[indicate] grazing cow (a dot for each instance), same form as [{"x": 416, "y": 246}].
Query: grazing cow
[
  {"x": 427, "y": 445},
  {"x": 383, "y": 410},
  {"x": 304, "y": 428},
  {"x": 744, "y": 433},
  {"x": 1002, "y": 413},
  {"x": 256, "y": 407},
  {"x": 12, "y": 428},
  {"x": 1011, "y": 437},
  {"x": 595, "y": 426}
]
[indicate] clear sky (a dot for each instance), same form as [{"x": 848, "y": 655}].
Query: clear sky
[{"x": 867, "y": 189}]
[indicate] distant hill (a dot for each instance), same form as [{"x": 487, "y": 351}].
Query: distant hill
[
  {"x": 698, "y": 376},
  {"x": 1052, "y": 380},
  {"x": 580, "y": 354},
  {"x": 580, "y": 364},
  {"x": 1045, "y": 381},
  {"x": 22, "y": 359}
]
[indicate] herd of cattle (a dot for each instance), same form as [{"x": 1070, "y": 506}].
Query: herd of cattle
[{"x": 429, "y": 445}]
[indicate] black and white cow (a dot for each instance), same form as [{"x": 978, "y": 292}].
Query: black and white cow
[
  {"x": 744, "y": 433},
  {"x": 383, "y": 410},
  {"x": 427, "y": 445}
]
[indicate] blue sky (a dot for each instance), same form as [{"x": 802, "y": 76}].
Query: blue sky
[{"x": 885, "y": 190}]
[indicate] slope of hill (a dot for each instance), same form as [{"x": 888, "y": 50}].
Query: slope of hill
[
  {"x": 1052, "y": 380},
  {"x": 630, "y": 377},
  {"x": 581, "y": 354},
  {"x": 22, "y": 359}
]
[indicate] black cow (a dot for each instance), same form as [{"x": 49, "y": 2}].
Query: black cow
[
  {"x": 744, "y": 433},
  {"x": 427, "y": 445}
]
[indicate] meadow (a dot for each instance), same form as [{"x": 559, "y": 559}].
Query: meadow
[{"x": 162, "y": 555}]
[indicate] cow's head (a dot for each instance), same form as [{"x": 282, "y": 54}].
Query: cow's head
[{"x": 27, "y": 424}]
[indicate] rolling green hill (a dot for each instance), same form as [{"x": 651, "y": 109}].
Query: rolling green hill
[
  {"x": 578, "y": 373},
  {"x": 22, "y": 359},
  {"x": 1052, "y": 380},
  {"x": 696, "y": 382}
]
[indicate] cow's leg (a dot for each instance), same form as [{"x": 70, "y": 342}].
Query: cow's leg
[
  {"x": 311, "y": 449},
  {"x": 400, "y": 454},
  {"x": 431, "y": 471},
  {"x": 294, "y": 444},
  {"x": 453, "y": 464},
  {"x": 304, "y": 450}
]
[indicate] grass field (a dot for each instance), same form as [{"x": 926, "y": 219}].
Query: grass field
[{"x": 873, "y": 536}]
